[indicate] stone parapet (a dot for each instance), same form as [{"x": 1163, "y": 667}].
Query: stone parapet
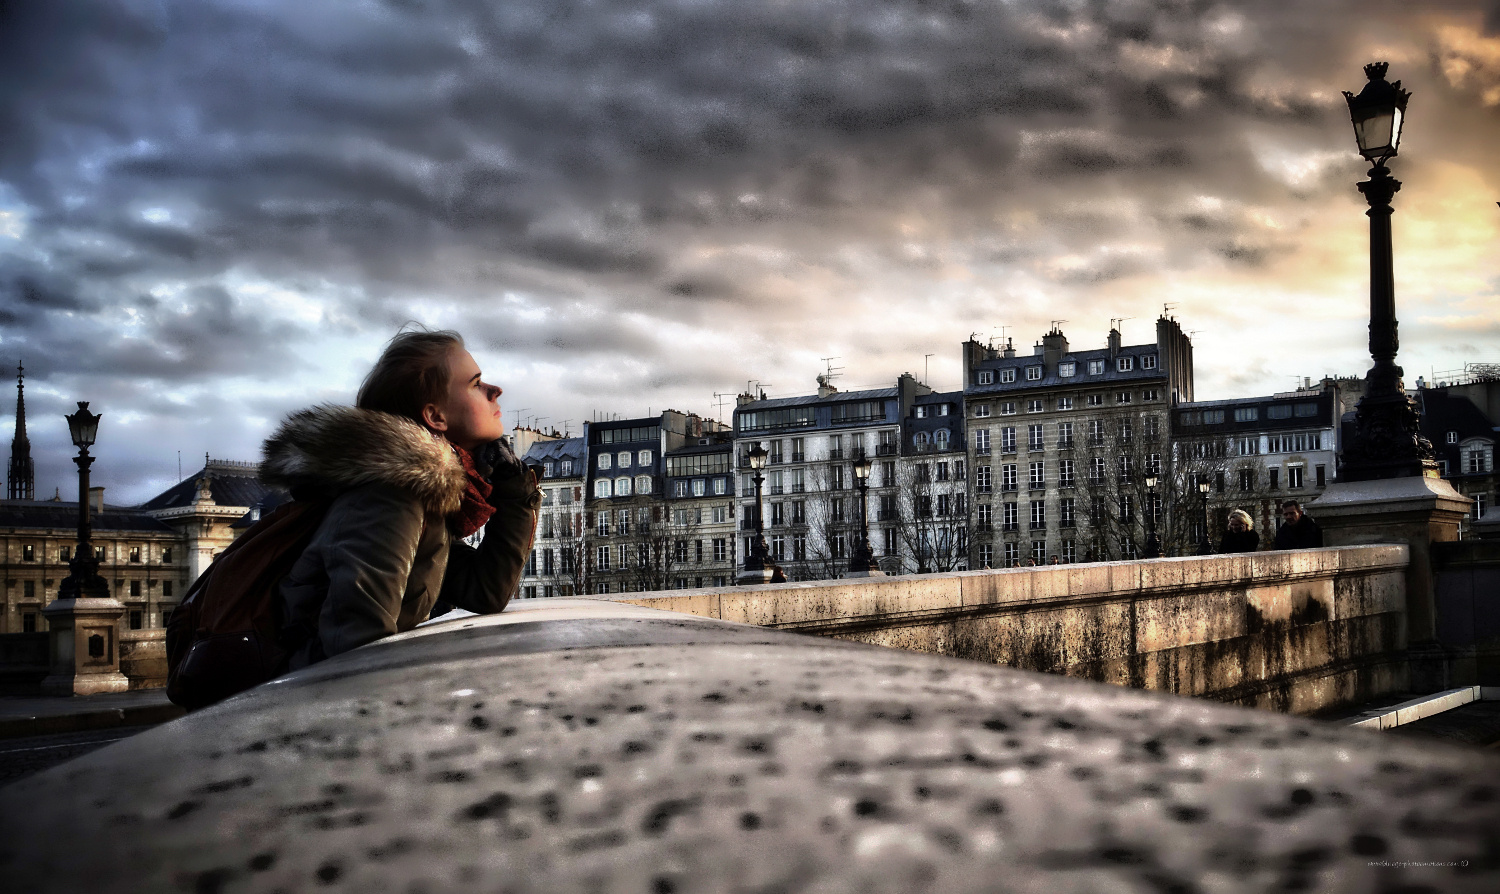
[
  {"x": 143, "y": 658},
  {"x": 1300, "y": 631},
  {"x": 571, "y": 745}
]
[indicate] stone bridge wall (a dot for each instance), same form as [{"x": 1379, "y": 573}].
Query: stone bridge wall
[{"x": 1298, "y": 632}]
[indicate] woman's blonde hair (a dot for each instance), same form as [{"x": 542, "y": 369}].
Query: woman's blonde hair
[
  {"x": 411, "y": 373},
  {"x": 1243, "y": 516}
]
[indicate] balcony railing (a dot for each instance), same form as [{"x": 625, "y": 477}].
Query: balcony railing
[
  {"x": 1038, "y": 526},
  {"x": 799, "y": 457},
  {"x": 774, "y": 489},
  {"x": 982, "y": 488},
  {"x": 982, "y": 451},
  {"x": 798, "y": 488},
  {"x": 1065, "y": 444},
  {"x": 885, "y": 450},
  {"x": 1010, "y": 526},
  {"x": 1008, "y": 486},
  {"x": 836, "y": 453}
]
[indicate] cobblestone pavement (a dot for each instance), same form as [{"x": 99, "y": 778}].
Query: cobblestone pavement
[{"x": 24, "y": 756}]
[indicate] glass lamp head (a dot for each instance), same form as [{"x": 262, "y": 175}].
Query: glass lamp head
[
  {"x": 1203, "y": 488},
  {"x": 1378, "y": 113},
  {"x": 1151, "y": 482},
  {"x": 757, "y": 455},
  {"x": 83, "y": 426},
  {"x": 862, "y": 468}
]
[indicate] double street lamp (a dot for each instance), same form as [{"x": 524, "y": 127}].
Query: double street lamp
[
  {"x": 861, "y": 559},
  {"x": 1153, "y": 545},
  {"x": 1386, "y": 441}
]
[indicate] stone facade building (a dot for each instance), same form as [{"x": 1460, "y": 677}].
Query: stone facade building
[
  {"x": 1059, "y": 443},
  {"x": 552, "y": 569},
  {"x": 1459, "y": 420},
  {"x": 700, "y": 497}
]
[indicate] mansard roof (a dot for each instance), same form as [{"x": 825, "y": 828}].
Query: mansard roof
[
  {"x": 562, "y": 448},
  {"x": 230, "y": 484},
  {"x": 55, "y": 514}
]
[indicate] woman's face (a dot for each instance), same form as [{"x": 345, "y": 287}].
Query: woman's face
[
  {"x": 470, "y": 413},
  {"x": 1236, "y": 524}
]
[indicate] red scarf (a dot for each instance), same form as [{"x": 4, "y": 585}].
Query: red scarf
[{"x": 476, "y": 509}]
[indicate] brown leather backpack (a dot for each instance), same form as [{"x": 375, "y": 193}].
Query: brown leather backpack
[{"x": 225, "y": 637}]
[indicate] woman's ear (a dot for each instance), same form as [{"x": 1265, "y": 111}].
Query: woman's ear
[{"x": 433, "y": 418}]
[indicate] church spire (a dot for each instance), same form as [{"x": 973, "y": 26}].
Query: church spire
[{"x": 21, "y": 484}]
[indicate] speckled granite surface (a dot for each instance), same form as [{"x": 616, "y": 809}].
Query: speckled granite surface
[{"x": 588, "y": 748}]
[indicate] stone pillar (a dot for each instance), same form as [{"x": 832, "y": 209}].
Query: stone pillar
[
  {"x": 85, "y": 639},
  {"x": 1416, "y": 511}
]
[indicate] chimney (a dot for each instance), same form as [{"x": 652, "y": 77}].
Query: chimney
[
  {"x": 1054, "y": 348},
  {"x": 825, "y": 387},
  {"x": 1114, "y": 342},
  {"x": 744, "y": 397},
  {"x": 1010, "y": 350},
  {"x": 96, "y": 500}
]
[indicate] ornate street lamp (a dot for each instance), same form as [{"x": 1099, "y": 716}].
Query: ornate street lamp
[
  {"x": 83, "y": 580},
  {"x": 1205, "y": 548},
  {"x": 862, "y": 557},
  {"x": 756, "y": 560},
  {"x": 1153, "y": 545},
  {"x": 1386, "y": 441}
]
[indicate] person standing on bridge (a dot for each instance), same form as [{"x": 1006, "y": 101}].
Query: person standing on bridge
[
  {"x": 1240, "y": 536},
  {"x": 411, "y": 470},
  {"x": 1297, "y": 530}
]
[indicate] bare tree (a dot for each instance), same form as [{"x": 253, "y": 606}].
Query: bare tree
[{"x": 932, "y": 518}]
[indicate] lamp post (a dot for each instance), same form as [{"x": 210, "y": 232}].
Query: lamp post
[
  {"x": 1386, "y": 441},
  {"x": 1153, "y": 545},
  {"x": 861, "y": 558},
  {"x": 1205, "y": 547},
  {"x": 84, "y": 621},
  {"x": 755, "y": 562},
  {"x": 83, "y": 579}
]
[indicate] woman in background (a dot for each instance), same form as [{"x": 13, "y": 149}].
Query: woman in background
[{"x": 1240, "y": 537}]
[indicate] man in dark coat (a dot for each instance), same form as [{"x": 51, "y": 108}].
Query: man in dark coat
[{"x": 1297, "y": 530}]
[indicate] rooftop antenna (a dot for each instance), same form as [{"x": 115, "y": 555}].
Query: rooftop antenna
[
  {"x": 1166, "y": 309},
  {"x": 925, "y": 358},
  {"x": 1114, "y": 322},
  {"x": 1057, "y": 325},
  {"x": 832, "y": 370},
  {"x": 720, "y": 399},
  {"x": 518, "y": 415}
]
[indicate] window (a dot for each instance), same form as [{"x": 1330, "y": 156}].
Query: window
[
  {"x": 28, "y": 553},
  {"x": 1279, "y": 411},
  {"x": 65, "y": 553},
  {"x": 1096, "y": 432},
  {"x": 1294, "y": 477},
  {"x": 1321, "y": 473},
  {"x": 1065, "y": 512},
  {"x": 1275, "y": 477},
  {"x": 1124, "y": 364},
  {"x": 986, "y": 558},
  {"x": 1096, "y": 367},
  {"x": 567, "y": 467},
  {"x": 1038, "y": 476},
  {"x": 166, "y": 589},
  {"x": 1008, "y": 517},
  {"x": 622, "y": 459},
  {"x": 1033, "y": 373},
  {"x": 1479, "y": 503},
  {"x": 1452, "y": 437},
  {"x": 679, "y": 488},
  {"x": 1065, "y": 473},
  {"x": 1127, "y": 508},
  {"x": 602, "y": 526},
  {"x": 1096, "y": 400},
  {"x": 985, "y": 377},
  {"x": 888, "y": 474},
  {"x": 601, "y": 559},
  {"x": 1123, "y": 462},
  {"x": 1034, "y": 406},
  {"x": 1213, "y": 417},
  {"x": 1038, "y": 552},
  {"x": 622, "y": 487},
  {"x": 1150, "y": 394},
  {"x": 549, "y": 469},
  {"x": 721, "y": 486},
  {"x": 986, "y": 516},
  {"x": 981, "y": 410},
  {"x": 799, "y": 450},
  {"x": 1008, "y": 476},
  {"x": 1066, "y": 369},
  {"x": 622, "y": 522},
  {"x": 700, "y": 487},
  {"x": 921, "y": 440},
  {"x": 643, "y": 458},
  {"x": 1247, "y": 446},
  {"x": 28, "y": 589},
  {"x": 1034, "y": 437},
  {"x": 601, "y": 489},
  {"x": 166, "y": 556},
  {"x": 1295, "y": 442},
  {"x": 720, "y": 549},
  {"x": 606, "y": 461},
  {"x": 1096, "y": 470},
  {"x": 1246, "y": 414},
  {"x": 1153, "y": 464},
  {"x": 1148, "y": 361},
  {"x": 643, "y": 484},
  {"x": 1305, "y": 410},
  {"x": 982, "y": 479},
  {"x": 1038, "y": 515},
  {"x": 1065, "y": 435},
  {"x": 1008, "y": 408},
  {"x": 1007, "y": 375},
  {"x": 1126, "y": 433},
  {"x": 1065, "y": 403},
  {"x": 799, "y": 548},
  {"x": 1008, "y": 439},
  {"x": 1012, "y": 555},
  {"x": 1122, "y": 397},
  {"x": 1153, "y": 427},
  {"x": 137, "y": 619},
  {"x": 940, "y": 439},
  {"x": 135, "y": 590},
  {"x": 777, "y": 518}
]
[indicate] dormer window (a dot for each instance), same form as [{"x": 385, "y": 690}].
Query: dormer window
[
  {"x": 549, "y": 468},
  {"x": 622, "y": 459},
  {"x": 1148, "y": 361},
  {"x": 1033, "y": 373},
  {"x": 1096, "y": 367},
  {"x": 985, "y": 377},
  {"x": 1452, "y": 437},
  {"x": 606, "y": 461},
  {"x": 1124, "y": 364},
  {"x": 1007, "y": 375},
  {"x": 1066, "y": 369},
  {"x": 567, "y": 467}
]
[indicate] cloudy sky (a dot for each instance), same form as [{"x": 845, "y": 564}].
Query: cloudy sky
[{"x": 214, "y": 212}]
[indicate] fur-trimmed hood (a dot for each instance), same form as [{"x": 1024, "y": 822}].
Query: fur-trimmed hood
[{"x": 332, "y": 449}]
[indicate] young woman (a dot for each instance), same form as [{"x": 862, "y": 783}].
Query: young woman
[
  {"x": 411, "y": 470},
  {"x": 1240, "y": 536}
]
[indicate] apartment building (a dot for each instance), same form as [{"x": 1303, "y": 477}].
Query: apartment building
[
  {"x": 700, "y": 498},
  {"x": 552, "y": 569},
  {"x": 1060, "y": 443}
]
